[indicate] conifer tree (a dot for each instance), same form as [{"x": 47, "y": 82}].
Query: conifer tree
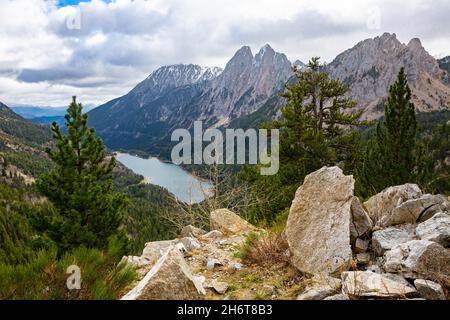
[
  {"x": 393, "y": 156},
  {"x": 316, "y": 130},
  {"x": 88, "y": 211}
]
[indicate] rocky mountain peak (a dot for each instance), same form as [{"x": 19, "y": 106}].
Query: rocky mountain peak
[
  {"x": 169, "y": 77},
  {"x": 372, "y": 65},
  {"x": 415, "y": 43}
]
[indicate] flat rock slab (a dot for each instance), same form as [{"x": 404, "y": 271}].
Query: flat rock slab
[
  {"x": 318, "y": 226},
  {"x": 366, "y": 284}
]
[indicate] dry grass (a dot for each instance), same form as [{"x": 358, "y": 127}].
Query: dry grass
[{"x": 265, "y": 250}]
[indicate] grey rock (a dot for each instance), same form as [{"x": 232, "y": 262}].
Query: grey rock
[
  {"x": 191, "y": 243},
  {"x": 366, "y": 284},
  {"x": 429, "y": 290},
  {"x": 214, "y": 234},
  {"x": 318, "y": 226},
  {"x": 322, "y": 287},
  {"x": 169, "y": 279},
  {"x": 360, "y": 224},
  {"x": 340, "y": 296},
  {"x": 363, "y": 258},
  {"x": 381, "y": 206},
  {"x": 388, "y": 238},
  {"x": 191, "y": 231},
  {"x": 361, "y": 245},
  {"x": 436, "y": 229},
  {"x": 419, "y": 209},
  {"x": 418, "y": 259},
  {"x": 228, "y": 222}
]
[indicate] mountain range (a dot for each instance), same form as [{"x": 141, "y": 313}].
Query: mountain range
[{"x": 245, "y": 92}]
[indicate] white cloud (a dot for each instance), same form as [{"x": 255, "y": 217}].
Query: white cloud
[{"x": 42, "y": 61}]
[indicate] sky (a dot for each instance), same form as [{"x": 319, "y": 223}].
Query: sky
[{"x": 98, "y": 50}]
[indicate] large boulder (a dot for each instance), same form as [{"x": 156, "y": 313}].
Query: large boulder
[
  {"x": 229, "y": 223},
  {"x": 318, "y": 226},
  {"x": 366, "y": 284},
  {"x": 386, "y": 239},
  {"x": 436, "y": 229},
  {"x": 169, "y": 279},
  {"x": 419, "y": 259},
  {"x": 381, "y": 206},
  {"x": 361, "y": 224}
]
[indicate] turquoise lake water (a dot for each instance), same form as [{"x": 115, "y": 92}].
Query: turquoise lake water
[{"x": 182, "y": 184}]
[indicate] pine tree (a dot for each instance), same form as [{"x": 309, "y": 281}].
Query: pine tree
[
  {"x": 315, "y": 131},
  {"x": 88, "y": 211},
  {"x": 393, "y": 156}
]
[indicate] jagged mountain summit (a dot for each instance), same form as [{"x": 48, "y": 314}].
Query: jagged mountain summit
[
  {"x": 245, "y": 92},
  {"x": 175, "y": 96},
  {"x": 370, "y": 67}
]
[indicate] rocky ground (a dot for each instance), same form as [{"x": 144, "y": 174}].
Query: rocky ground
[{"x": 393, "y": 246}]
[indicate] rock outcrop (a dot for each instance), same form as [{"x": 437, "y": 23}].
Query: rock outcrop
[
  {"x": 318, "y": 226},
  {"x": 401, "y": 239}
]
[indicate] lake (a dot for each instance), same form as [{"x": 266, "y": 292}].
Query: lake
[{"x": 185, "y": 186}]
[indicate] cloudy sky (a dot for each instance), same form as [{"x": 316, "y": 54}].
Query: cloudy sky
[{"x": 98, "y": 50}]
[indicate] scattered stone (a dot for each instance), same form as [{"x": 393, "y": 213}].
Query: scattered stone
[
  {"x": 386, "y": 239},
  {"x": 361, "y": 245},
  {"x": 318, "y": 226},
  {"x": 191, "y": 243},
  {"x": 380, "y": 207},
  {"x": 218, "y": 286},
  {"x": 228, "y": 222},
  {"x": 169, "y": 279},
  {"x": 361, "y": 224},
  {"x": 436, "y": 229},
  {"x": 191, "y": 231},
  {"x": 323, "y": 286},
  {"x": 234, "y": 266},
  {"x": 212, "y": 263},
  {"x": 429, "y": 290},
  {"x": 418, "y": 259},
  {"x": 366, "y": 284}
]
